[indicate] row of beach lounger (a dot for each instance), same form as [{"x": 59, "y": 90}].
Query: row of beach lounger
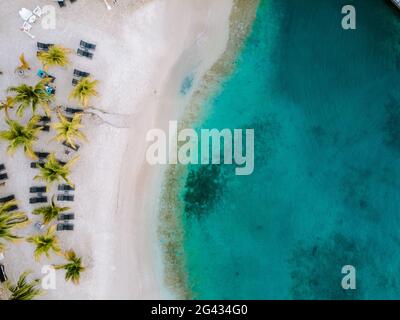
[
  {"x": 78, "y": 75},
  {"x": 3, "y": 276},
  {"x": 3, "y": 174},
  {"x": 84, "y": 50},
  {"x": 41, "y": 198},
  {"x": 7, "y": 199},
  {"x": 63, "y": 3},
  {"x": 64, "y": 219}
]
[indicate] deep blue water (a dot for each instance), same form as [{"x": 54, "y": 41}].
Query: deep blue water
[{"x": 325, "y": 106}]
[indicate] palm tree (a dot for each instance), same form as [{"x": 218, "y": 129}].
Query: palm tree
[
  {"x": 50, "y": 212},
  {"x": 53, "y": 170},
  {"x": 45, "y": 242},
  {"x": 10, "y": 220},
  {"x": 6, "y": 105},
  {"x": 73, "y": 268},
  {"x": 24, "y": 65},
  {"x": 24, "y": 290},
  {"x": 28, "y": 96},
  {"x": 84, "y": 90},
  {"x": 19, "y": 135},
  {"x": 69, "y": 130},
  {"x": 56, "y": 56}
]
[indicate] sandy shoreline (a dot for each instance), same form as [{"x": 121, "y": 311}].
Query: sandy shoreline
[{"x": 145, "y": 50}]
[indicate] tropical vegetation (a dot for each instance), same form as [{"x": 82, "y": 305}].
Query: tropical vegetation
[
  {"x": 50, "y": 212},
  {"x": 32, "y": 96},
  {"x": 69, "y": 130},
  {"x": 45, "y": 243},
  {"x": 9, "y": 221},
  {"x": 19, "y": 135},
  {"x": 54, "y": 170},
  {"x": 56, "y": 55},
  {"x": 73, "y": 268},
  {"x": 6, "y": 105},
  {"x": 24, "y": 289},
  {"x": 84, "y": 91},
  {"x": 24, "y": 65}
]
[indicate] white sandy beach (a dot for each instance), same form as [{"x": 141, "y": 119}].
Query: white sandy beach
[{"x": 145, "y": 49}]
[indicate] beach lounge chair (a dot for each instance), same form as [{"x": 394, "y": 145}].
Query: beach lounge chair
[
  {"x": 75, "y": 82},
  {"x": 45, "y": 119},
  {"x": 42, "y": 155},
  {"x": 73, "y": 110},
  {"x": 3, "y": 276},
  {"x": 26, "y": 28},
  {"x": 6, "y": 199},
  {"x": 43, "y": 127},
  {"x": 84, "y": 53},
  {"x": 66, "y": 216},
  {"x": 81, "y": 74},
  {"x": 65, "y": 187},
  {"x": 65, "y": 197},
  {"x": 43, "y": 123},
  {"x": 2, "y": 167},
  {"x": 3, "y": 176},
  {"x": 37, "y": 11},
  {"x": 65, "y": 226},
  {"x": 39, "y": 189},
  {"x": 38, "y": 200},
  {"x": 66, "y": 144},
  {"x": 44, "y": 46},
  {"x": 27, "y": 15},
  {"x": 87, "y": 46},
  {"x": 35, "y": 165}
]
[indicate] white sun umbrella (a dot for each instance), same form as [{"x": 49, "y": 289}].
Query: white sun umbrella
[{"x": 25, "y": 14}]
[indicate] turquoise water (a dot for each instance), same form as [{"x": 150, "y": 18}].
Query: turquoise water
[{"x": 325, "y": 106}]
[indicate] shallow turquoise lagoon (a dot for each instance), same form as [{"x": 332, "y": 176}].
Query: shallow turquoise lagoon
[{"x": 325, "y": 106}]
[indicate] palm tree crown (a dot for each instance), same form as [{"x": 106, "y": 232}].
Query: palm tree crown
[
  {"x": 28, "y": 96},
  {"x": 45, "y": 242},
  {"x": 56, "y": 56},
  {"x": 23, "y": 289},
  {"x": 19, "y": 135},
  {"x": 84, "y": 90},
  {"x": 24, "y": 65},
  {"x": 10, "y": 221},
  {"x": 69, "y": 130},
  {"x": 6, "y": 105},
  {"x": 50, "y": 212},
  {"x": 53, "y": 170},
  {"x": 73, "y": 268}
]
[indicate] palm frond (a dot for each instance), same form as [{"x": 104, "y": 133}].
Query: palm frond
[
  {"x": 23, "y": 289},
  {"x": 84, "y": 90}
]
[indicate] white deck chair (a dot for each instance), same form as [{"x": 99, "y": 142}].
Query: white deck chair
[
  {"x": 27, "y": 15},
  {"x": 37, "y": 11},
  {"x": 26, "y": 27}
]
